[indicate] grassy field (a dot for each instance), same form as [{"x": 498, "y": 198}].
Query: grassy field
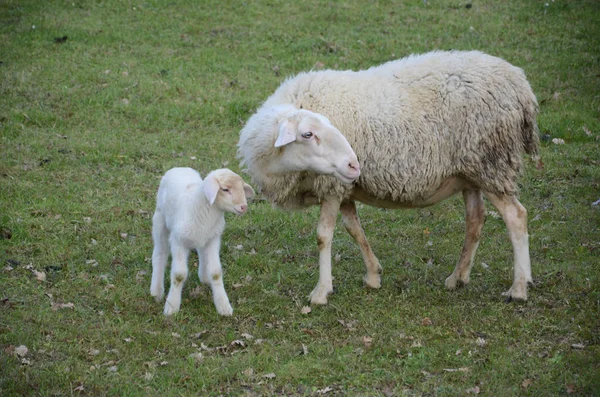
[{"x": 99, "y": 98}]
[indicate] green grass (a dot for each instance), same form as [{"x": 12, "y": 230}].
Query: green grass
[{"x": 88, "y": 126}]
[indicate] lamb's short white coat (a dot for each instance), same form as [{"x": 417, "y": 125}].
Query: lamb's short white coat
[{"x": 190, "y": 215}]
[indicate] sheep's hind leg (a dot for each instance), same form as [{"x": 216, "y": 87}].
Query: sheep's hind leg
[
  {"x": 475, "y": 217},
  {"x": 352, "y": 225},
  {"x": 160, "y": 255},
  {"x": 179, "y": 273},
  {"x": 329, "y": 210},
  {"x": 515, "y": 218},
  {"x": 214, "y": 273}
]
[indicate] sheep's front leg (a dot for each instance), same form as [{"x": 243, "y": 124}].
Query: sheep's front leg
[
  {"x": 211, "y": 262},
  {"x": 329, "y": 210},
  {"x": 352, "y": 224},
  {"x": 160, "y": 255},
  {"x": 475, "y": 217},
  {"x": 515, "y": 218},
  {"x": 179, "y": 273}
]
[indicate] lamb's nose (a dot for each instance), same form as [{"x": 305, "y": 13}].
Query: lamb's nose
[{"x": 243, "y": 208}]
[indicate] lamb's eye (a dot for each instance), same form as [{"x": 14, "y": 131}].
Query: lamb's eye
[
  {"x": 225, "y": 189},
  {"x": 307, "y": 135}
]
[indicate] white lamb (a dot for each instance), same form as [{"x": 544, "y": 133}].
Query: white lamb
[{"x": 190, "y": 214}]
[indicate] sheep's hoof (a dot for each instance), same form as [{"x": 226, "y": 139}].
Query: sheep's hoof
[
  {"x": 319, "y": 295},
  {"x": 517, "y": 292},
  {"x": 453, "y": 282},
  {"x": 373, "y": 280}
]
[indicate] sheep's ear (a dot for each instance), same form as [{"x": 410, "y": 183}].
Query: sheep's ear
[
  {"x": 287, "y": 134},
  {"x": 248, "y": 191},
  {"x": 211, "y": 188}
]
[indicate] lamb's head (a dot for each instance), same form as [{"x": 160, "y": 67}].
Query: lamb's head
[
  {"x": 227, "y": 190},
  {"x": 309, "y": 142}
]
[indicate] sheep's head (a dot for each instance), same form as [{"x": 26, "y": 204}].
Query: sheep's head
[
  {"x": 227, "y": 190},
  {"x": 309, "y": 142}
]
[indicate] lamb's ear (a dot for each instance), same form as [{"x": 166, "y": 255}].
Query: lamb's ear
[
  {"x": 211, "y": 188},
  {"x": 287, "y": 133},
  {"x": 248, "y": 191}
]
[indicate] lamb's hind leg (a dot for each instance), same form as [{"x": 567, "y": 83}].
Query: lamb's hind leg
[
  {"x": 160, "y": 255},
  {"x": 515, "y": 218},
  {"x": 352, "y": 224},
  {"x": 475, "y": 217}
]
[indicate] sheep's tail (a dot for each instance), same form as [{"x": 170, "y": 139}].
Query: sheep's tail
[{"x": 531, "y": 133}]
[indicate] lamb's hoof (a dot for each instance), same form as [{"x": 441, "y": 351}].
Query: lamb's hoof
[
  {"x": 319, "y": 295},
  {"x": 225, "y": 310},
  {"x": 157, "y": 293},
  {"x": 373, "y": 280},
  {"x": 517, "y": 292},
  {"x": 170, "y": 310},
  {"x": 453, "y": 282},
  {"x": 223, "y": 306}
]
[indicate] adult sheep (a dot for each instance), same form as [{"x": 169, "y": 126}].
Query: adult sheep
[{"x": 423, "y": 128}]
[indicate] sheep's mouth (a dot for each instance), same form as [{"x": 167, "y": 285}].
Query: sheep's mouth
[{"x": 344, "y": 178}]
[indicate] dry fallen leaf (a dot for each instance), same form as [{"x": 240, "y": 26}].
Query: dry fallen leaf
[
  {"x": 196, "y": 291},
  {"x": 305, "y": 310},
  {"x": 247, "y": 336},
  {"x": 249, "y": 372},
  {"x": 473, "y": 390},
  {"x": 40, "y": 276},
  {"x": 140, "y": 275},
  {"x": 461, "y": 369},
  {"x": 196, "y": 356},
  {"x": 367, "y": 341},
  {"x": 270, "y": 375},
  {"x": 558, "y": 141},
  {"x": 324, "y": 390},
  {"x": 526, "y": 383},
  {"x": 571, "y": 388},
  {"x": 480, "y": 342},
  {"x": 539, "y": 164},
  {"x": 587, "y": 131},
  {"x": 578, "y": 346},
  {"x": 304, "y": 349},
  {"x": 21, "y": 351},
  {"x": 426, "y": 322},
  {"x": 56, "y": 306},
  {"x": 350, "y": 325}
]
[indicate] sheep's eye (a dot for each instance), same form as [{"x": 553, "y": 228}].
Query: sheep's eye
[
  {"x": 307, "y": 135},
  {"x": 225, "y": 189}
]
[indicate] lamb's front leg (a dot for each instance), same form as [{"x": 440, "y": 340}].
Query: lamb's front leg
[
  {"x": 329, "y": 210},
  {"x": 179, "y": 273},
  {"x": 211, "y": 262}
]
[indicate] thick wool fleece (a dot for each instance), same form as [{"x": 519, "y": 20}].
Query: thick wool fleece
[{"x": 412, "y": 122}]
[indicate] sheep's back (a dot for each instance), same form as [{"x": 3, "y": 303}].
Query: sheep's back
[{"x": 419, "y": 120}]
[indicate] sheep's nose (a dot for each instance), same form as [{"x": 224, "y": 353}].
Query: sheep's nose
[
  {"x": 353, "y": 165},
  {"x": 243, "y": 208}
]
